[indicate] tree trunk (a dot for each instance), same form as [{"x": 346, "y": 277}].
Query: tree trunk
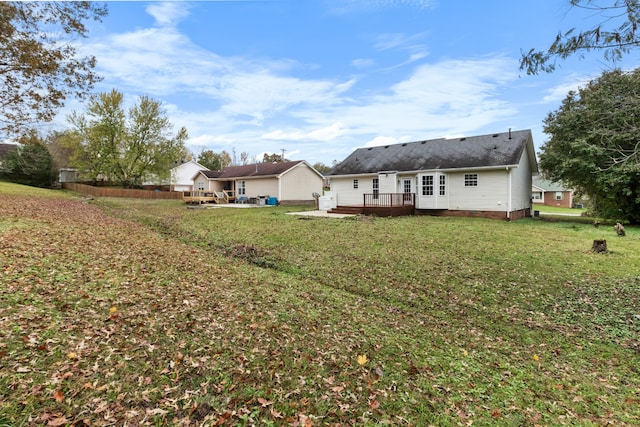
[{"x": 599, "y": 246}]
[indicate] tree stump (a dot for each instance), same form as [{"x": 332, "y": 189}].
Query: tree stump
[
  {"x": 599, "y": 246},
  {"x": 619, "y": 229}
]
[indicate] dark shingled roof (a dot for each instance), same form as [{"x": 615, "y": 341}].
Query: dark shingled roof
[
  {"x": 252, "y": 171},
  {"x": 493, "y": 150}
]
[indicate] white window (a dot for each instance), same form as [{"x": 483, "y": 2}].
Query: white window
[
  {"x": 443, "y": 186},
  {"x": 200, "y": 185},
  {"x": 559, "y": 195},
  {"x": 376, "y": 188},
  {"x": 242, "y": 188},
  {"x": 427, "y": 185},
  {"x": 355, "y": 183},
  {"x": 470, "y": 179},
  {"x": 407, "y": 186}
]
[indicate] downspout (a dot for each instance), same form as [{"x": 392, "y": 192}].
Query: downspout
[
  {"x": 279, "y": 188},
  {"x": 509, "y": 201}
]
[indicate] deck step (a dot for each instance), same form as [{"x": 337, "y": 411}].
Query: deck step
[{"x": 347, "y": 210}]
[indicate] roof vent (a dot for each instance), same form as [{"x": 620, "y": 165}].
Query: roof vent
[
  {"x": 386, "y": 146},
  {"x": 369, "y": 149},
  {"x": 424, "y": 142},
  {"x": 404, "y": 145},
  {"x": 463, "y": 139},
  {"x": 495, "y": 135}
]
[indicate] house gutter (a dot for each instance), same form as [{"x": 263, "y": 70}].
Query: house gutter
[{"x": 482, "y": 168}]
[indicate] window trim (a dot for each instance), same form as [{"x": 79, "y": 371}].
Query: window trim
[
  {"x": 427, "y": 185},
  {"x": 242, "y": 188},
  {"x": 355, "y": 183},
  {"x": 470, "y": 179}
]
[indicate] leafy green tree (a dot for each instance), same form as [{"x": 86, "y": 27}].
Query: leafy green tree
[
  {"x": 39, "y": 67},
  {"x": 125, "y": 146},
  {"x": 30, "y": 162},
  {"x": 595, "y": 144},
  {"x": 321, "y": 167},
  {"x": 214, "y": 161},
  {"x": 615, "y": 35}
]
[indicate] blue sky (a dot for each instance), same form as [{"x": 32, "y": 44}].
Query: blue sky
[{"x": 320, "y": 78}]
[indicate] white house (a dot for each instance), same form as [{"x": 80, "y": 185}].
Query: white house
[
  {"x": 285, "y": 182},
  {"x": 485, "y": 175},
  {"x": 182, "y": 175}
]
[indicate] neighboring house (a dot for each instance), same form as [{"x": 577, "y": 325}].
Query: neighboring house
[
  {"x": 286, "y": 182},
  {"x": 182, "y": 175},
  {"x": 180, "y": 178},
  {"x": 68, "y": 175},
  {"x": 486, "y": 175},
  {"x": 551, "y": 194},
  {"x": 4, "y": 152}
]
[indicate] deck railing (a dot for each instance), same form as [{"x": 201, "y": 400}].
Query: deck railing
[{"x": 389, "y": 200}]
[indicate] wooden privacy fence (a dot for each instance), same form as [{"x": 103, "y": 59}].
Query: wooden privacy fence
[{"x": 121, "y": 192}]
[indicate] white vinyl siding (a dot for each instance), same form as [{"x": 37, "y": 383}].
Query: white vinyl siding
[
  {"x": 346, "y": 195},
  {"x": 521, "y": 181},
  {"x": 299, "y": 184},
  {"x": 491, "y": 193}
]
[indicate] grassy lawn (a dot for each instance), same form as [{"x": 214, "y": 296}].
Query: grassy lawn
[
  {"x": 556, "y": 209},
  {"x": 130, "y": 312}
]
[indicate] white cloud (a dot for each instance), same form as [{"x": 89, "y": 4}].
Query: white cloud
[
  {"x": 559, "y": 92},
  {"x": 355, "y": 6},
  {"x": 387, "y": 140},
  {"x": 323, "y": 134},
  {"x": 363, "y": 63},
  {"x": 168, "y": 13}
]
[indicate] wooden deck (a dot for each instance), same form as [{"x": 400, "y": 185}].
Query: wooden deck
[
  {"x": 381, "y": 204},
  {"x": 200, "y": 197}
]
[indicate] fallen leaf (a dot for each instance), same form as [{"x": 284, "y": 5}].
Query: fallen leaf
[
  {"x": 264, "y": 402},
  {"x": 58, "y": 395},
  {"x": 56, "y": 422},
  {"x": 379, "y": 371},
  {"x": 72, "y": 355},
  {"x": 362, "y": 359}
]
